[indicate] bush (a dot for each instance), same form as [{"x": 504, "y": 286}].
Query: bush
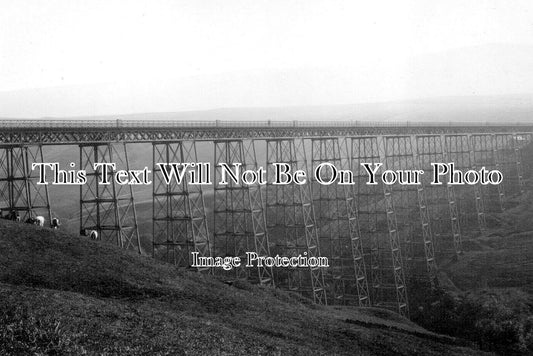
[{"x": 487, "y": 319}]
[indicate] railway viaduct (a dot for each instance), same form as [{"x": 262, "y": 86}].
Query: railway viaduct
[{"x": 382, "y": 241}]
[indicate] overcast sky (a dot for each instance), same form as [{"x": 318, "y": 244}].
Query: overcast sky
[{"x": 125, "y": 43}]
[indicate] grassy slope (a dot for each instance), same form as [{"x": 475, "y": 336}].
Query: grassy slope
[{"x": 104, "y": 300}]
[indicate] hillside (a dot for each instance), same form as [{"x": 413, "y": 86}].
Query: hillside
[{"x": 66, "y": 295}]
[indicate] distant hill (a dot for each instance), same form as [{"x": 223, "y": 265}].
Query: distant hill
[
  {"x": 487, "y": 71},
  {"x": 504, "y": 108}
]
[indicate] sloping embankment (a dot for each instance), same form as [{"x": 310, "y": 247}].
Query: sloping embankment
[{"x": 69, "y": 295}]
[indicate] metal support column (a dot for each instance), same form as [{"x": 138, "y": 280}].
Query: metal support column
[
  {"x": 239, "y": 218},
  {"x": 19, "y": 191},
  {"x": 108, "y": 208},
  {"x": 469, "y": 199},
  {"x": 507, "y": 162},
  {"x": 441, "y": 199},
  {"x": 411, "y": 209},
  {"x": 377, "y": 219},
  {"x": 179, "y": 220},
  {"x": 522, "y": 140},
  {"x": 291, "y": 220},
  {"x": 484, "y": 153},
  {"x": 338, "y": 227}
]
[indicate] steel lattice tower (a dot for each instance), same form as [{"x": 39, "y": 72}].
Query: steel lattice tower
[
  {"x": 19, "y": 190},
  {"x": 485, "y": 154},
  {"x": 469, "y": 199},
  {"x": 441, "y": 199},
  {"x": 521, "y": 141},
  {"x": 411, "y": 209},
  {"x": 108, "y": 208},
  {"x": 508, "y": 162},
  {"x": 379, "y": 229},
  {"x": 239, "y": 217},
  {"x": 291, "y": 221},
  {"x": 338, "y": 228},
  {"x": 179, "y": 219}
]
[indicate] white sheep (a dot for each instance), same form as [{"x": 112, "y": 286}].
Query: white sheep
[
  {"x": 39, "y": 220},
  {"x": 93, "y": 234}
]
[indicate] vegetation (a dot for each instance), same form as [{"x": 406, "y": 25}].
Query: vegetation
[
  {"x": 67, "y": 295},
  {"x": 497, "y": 320},
  {"x": 488, "y": 297}
]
